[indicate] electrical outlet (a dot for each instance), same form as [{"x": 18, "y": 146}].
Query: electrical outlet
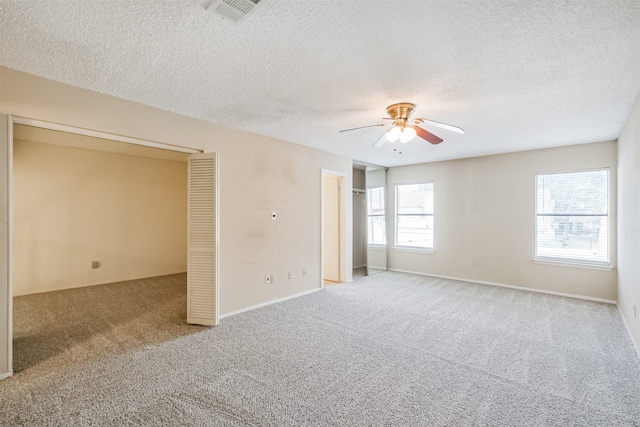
[
  {"x": 273, "y": 278},
  {"x": 95, "y": 264},
  {"x": 267, "y": 279},
  {"x": 304, "y": 272},
  {"x": 290, "y": 275},
  {"x": 634, "y": 311},
  {"x": 274, "y": 216},
  {"x": 474, "y": 263}
]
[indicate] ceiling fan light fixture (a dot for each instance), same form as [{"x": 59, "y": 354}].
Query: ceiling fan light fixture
[
  {"x": 393, "y": 134},
  {"x": 408, "y": 133},
  {"x": 404, "y": 128}
]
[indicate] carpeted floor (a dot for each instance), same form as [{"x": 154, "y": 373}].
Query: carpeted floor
[
  {"x": 390, "y": 349},
  {"x": 67, "y": 327},
  {"x": 359, "y": 272}
]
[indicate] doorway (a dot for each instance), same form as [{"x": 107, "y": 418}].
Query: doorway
[
  {"x": 201, "y": 168},
  {"x": 359, "y": 209},
  {"x": 89, "y": 211},
  {"x": 332, "y": 228}
]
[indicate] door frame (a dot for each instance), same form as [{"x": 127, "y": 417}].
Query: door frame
[
  {"x": 18, "y": 120},
  {"x": 342, "y": 271}
]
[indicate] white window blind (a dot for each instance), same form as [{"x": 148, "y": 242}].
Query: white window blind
[
  {"x": 377, "y": 229},
  {"x": 414, "y": 215},
  {"x": 572, "y": 216}
]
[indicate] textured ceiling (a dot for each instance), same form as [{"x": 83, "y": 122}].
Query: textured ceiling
[{"x": 516, "y": 75}]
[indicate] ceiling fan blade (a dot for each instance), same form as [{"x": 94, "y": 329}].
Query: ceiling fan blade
[
  {"x": 380, "y": 142},
  {"x": 442, "y": 125},
  {"x": 427, "y": 136},
  {"x": 364, "y": 127}
]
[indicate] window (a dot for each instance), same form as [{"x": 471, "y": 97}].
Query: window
[
  {"x": 376, "y": 217},
  {"x": 572, "y": 217},
  {"x": 414, "y": 215}
]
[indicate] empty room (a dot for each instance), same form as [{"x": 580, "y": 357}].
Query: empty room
[{"x": 273, "y": 212}]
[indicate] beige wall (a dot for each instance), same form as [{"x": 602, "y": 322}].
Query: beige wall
[
  {"x": 257, "y": 175},
  {"x": 74, "y": 206},
  {"x": 629, "y": 222},
  {"x": 484, "y": 210}
]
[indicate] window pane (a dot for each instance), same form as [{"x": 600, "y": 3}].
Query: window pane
[
  {"x": 414, "y": 215},
  {"x": 415, "y": 231},
  {"x": 415, "y": 199},
  {"x": 572, "y": 216},
  {"x": 578, "y": 238},
  {"x": 573, "y": 193}
]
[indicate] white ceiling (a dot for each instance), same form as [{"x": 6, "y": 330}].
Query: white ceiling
[{"x": 516, "y": 75}]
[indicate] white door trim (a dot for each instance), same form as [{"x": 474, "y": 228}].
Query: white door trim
[
  {"x": 99, "y": 134},
  {"x": 6, "y": 368}
]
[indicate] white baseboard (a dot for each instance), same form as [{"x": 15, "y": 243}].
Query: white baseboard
[
  {"x": 64, "y": 288},
  {"x": 626, "y": 325},
  {"x": 502, "y": 285},
  {"x": 359, "y": 266},
  {"x": 5, "y": 375},
  {"x": 274, "y": 301}
]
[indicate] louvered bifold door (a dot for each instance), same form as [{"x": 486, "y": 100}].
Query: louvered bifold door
[{"x": 202, "y": 274}]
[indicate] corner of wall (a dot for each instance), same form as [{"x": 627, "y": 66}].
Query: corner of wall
[{"x": 628, "y": 227}]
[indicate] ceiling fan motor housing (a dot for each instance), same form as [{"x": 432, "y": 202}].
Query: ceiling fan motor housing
[{"x": 401, "y": 111}]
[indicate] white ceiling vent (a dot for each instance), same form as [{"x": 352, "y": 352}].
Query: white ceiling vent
[{"x": 234, "y": 10}]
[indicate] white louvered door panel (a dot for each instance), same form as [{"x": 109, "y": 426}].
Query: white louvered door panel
[{"x": 202, "y": 274}]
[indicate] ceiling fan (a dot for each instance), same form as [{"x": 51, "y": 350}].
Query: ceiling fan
[{"x": 404, "y": 128}]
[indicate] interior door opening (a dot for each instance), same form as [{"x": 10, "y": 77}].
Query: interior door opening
[
  {"x": 359, "y": 221},
  {"x": 24, "y": 136}
]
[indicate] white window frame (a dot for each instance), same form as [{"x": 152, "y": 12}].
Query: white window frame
[
  {"x": 370, "y": 215},
  {"x": 568, "y": 261},
  {"x": 397, "y": 215}
]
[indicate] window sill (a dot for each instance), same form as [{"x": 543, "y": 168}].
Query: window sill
[
  {"x": 559, "y": 263},
  {"x": 410, "y": 249}
]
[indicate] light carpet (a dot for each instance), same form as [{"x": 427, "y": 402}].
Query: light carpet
[{"x": 390, "y": 349}]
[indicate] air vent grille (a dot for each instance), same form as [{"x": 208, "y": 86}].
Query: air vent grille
[{"x": 234, "y": 10}]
